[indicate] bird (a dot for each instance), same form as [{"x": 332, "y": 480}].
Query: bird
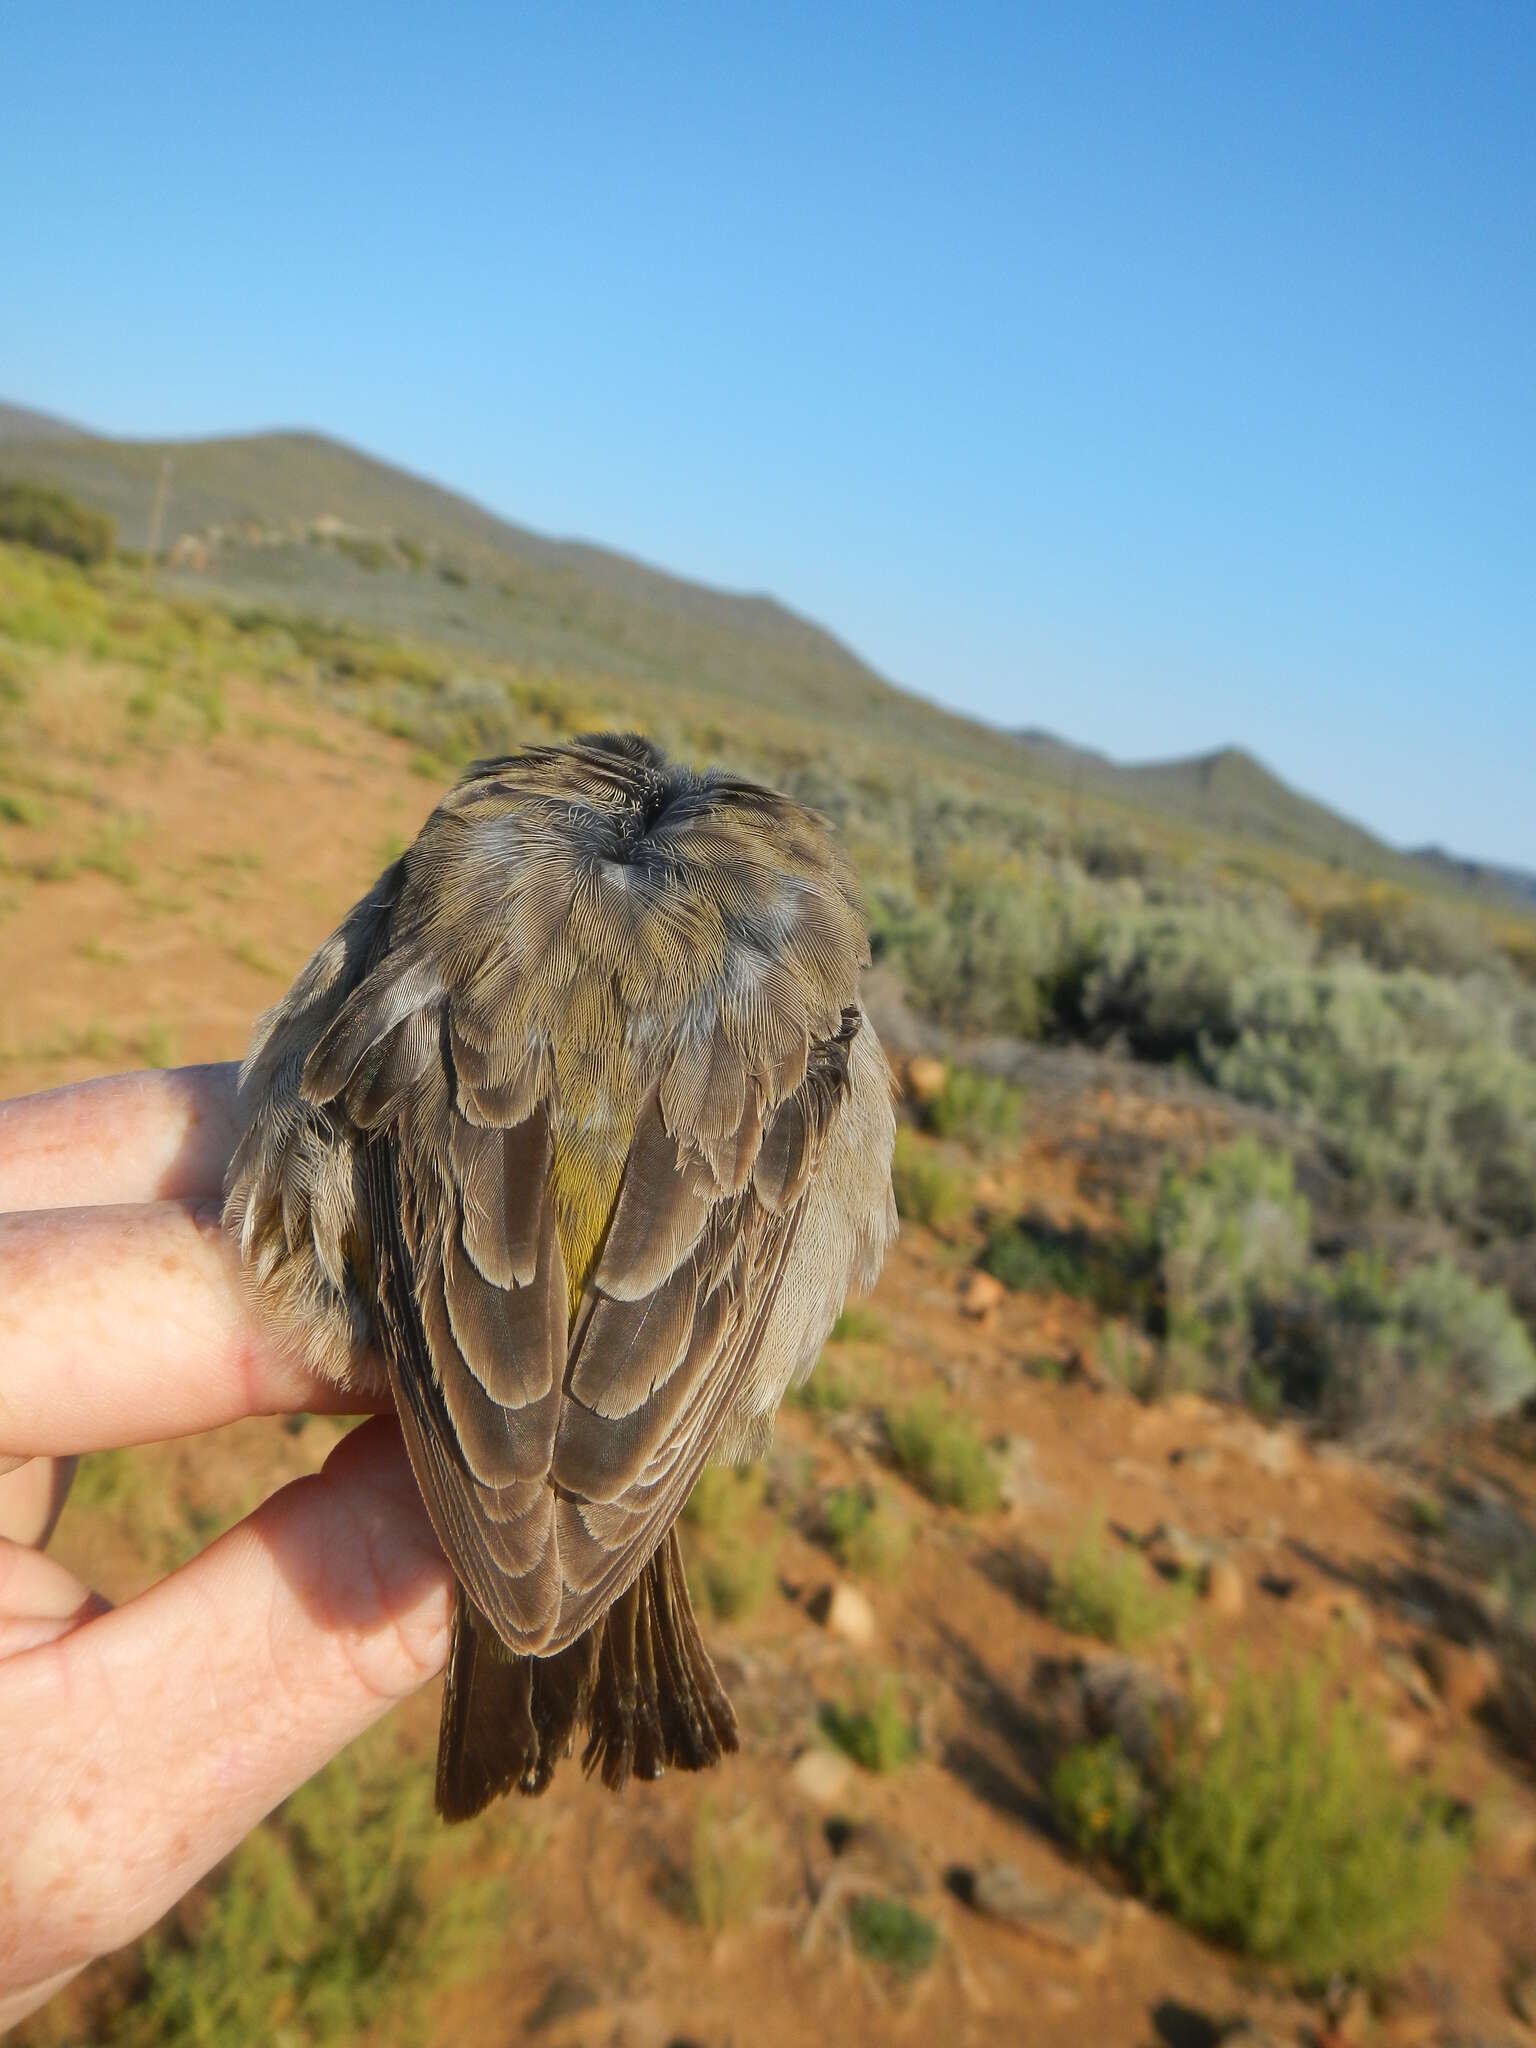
[{"x": 572, "y": 1139}]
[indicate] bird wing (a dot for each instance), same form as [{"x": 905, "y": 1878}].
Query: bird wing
[
  {"x": 555, "y": 1451},
  {"x": 672, "y": 1322}
]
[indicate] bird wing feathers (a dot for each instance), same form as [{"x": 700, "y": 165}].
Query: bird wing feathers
[{"x": 586, "y": 1082}]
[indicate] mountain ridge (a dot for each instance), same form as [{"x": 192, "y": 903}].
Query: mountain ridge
[{"x": 270, "y": 497}]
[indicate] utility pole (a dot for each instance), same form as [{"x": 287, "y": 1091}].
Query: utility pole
[{"x": 157, "y": 516}]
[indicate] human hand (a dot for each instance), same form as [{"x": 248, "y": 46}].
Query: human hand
[{"x": 139, "y": 1744}]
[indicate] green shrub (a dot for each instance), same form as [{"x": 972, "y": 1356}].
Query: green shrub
[
  {"x": 929, "y": 1188},
  {"x": 18, "y": 808},
  {"x": 1163, "y": 976},
  {"x": 1392, "y": 1359},
  {"x": 891, "y": 1932},
  {"x": 1100, "y": 1589},
  {"x": 943, "y": 1456},
  {"x": 1291, "y": 1836},
  {"x": 1126, "y": 1357},
  {"x": 730, "y": 1564},
  {"x": 723, "y": 1498},
  {"x": 878, "y": 1733},
  {"x": 1099, "y": 1798},
  {"x": 859, "y": 1325},
  {"x": 1033, "y": 1258},
  {"x": 735, "y": 1575},
  {"x": 826, "y": 1392},
  {"x": 1376, "y": 1356},
  {"x": 1112, "y": 856},
  {"x": 330, "y": 1917},
  {"x": 1423, "y": 1091},
  {"x": 1394, "y": 931},
  {"x": 50, "y": 521},
  {"x": 1229, "y": 1236},
  {"x": 365, "y": 550},
  {"x": 977, "y": 1109},
  {"x": 865, "y": 1532},
  {"x": 730, "y": 1865},
  {"x": 995, "y": 947}
]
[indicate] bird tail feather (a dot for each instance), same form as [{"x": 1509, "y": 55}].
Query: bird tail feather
[{"x": 640, "y": 1680}]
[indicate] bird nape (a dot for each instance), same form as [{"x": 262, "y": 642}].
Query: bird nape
[{"x": 574, "y": 1137}]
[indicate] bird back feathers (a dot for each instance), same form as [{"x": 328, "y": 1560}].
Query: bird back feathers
[{"x": 577, "y": 1119}]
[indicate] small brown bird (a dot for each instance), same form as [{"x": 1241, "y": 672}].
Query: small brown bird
[{"x": 576, "y": 1124}]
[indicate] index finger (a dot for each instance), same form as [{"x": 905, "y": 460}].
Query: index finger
[
  {"x": 151, "y": 1137},
  {"x": 124, "y": 1326}
]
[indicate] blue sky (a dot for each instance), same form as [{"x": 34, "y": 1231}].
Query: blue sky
[{"x": 1160, "y": 375}]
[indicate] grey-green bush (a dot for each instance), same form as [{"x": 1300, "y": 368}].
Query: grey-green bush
[
  {"x": 1163, "y": 976},
  {"x": 1424, "y": 1091},
  {"x": 1400, "y": 1357},
  {"x": 1230, "y": 1237}
]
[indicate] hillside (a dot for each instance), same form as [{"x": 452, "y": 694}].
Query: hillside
[
  {"x": 21, "y": 423},
  {"x": 1230, "y": 791},
  {"x": 497, "y": 587},
  {"x": 297, "y": 523},
  {"x": 1514, "y": 885}
]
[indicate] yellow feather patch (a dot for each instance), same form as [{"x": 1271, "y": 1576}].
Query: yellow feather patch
[
  {"x": 585, "y": 1185},
  {"x": 592, "y": 1139}
]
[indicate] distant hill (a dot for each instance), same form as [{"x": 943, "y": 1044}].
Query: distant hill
[
  {"x": 20, "y": 423},
  {"x": 1232, "y": 792},
  {"x": 1227, "y": 791},
  {"x": 1515, "y": 885},
  {"x": 298, "y": 522},
  {"x": 490, "y": 585}
]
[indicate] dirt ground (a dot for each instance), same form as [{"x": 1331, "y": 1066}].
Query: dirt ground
[{"x": 244, "y": 850}]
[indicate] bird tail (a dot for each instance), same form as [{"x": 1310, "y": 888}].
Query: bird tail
[{"x": 640, "y": 1679}]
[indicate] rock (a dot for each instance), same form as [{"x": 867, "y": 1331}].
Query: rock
[
  {"x": 857, "y": 1430},
  {"x": 1132, "y": 1702},
  {"x": 565, "y": 1995},
  {"x": 1021, "y": 1486},
  {"x": 822, "y": 1775},
  {"x": 1171, "y": 1548},
  {"x": 1330, "y": 1605},
  {"x": 1187, "y": 1406},
  {"x": 925, "y": 1078},
  {"x": 1072, "y": 1921},
  {"x": 1137, "y": 1472},
  {"x": 981, "y": 1296},
  {"x": 1409, "y": 2030},
  {"x": 1201, "y": 1461},
  {"x": 882, "y": 1855},
  {"x": 1349, "y": 2013},
  {"x": 1410, "y": 1676},
  {"x": 1521, "y": 1991},
  {"x": 1463, "y": 1678},
  {"x": 1407, "y": 1744},
  {"x": 1509, "y": 1841},
  {"x": 1274, "y": 1451},
  {"x": 1223, "y": 1589},
  {"x": 844, "y": 1611}
]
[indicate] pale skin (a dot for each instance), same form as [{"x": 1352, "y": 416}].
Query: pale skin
[{"x": 139, "y": 1744}]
